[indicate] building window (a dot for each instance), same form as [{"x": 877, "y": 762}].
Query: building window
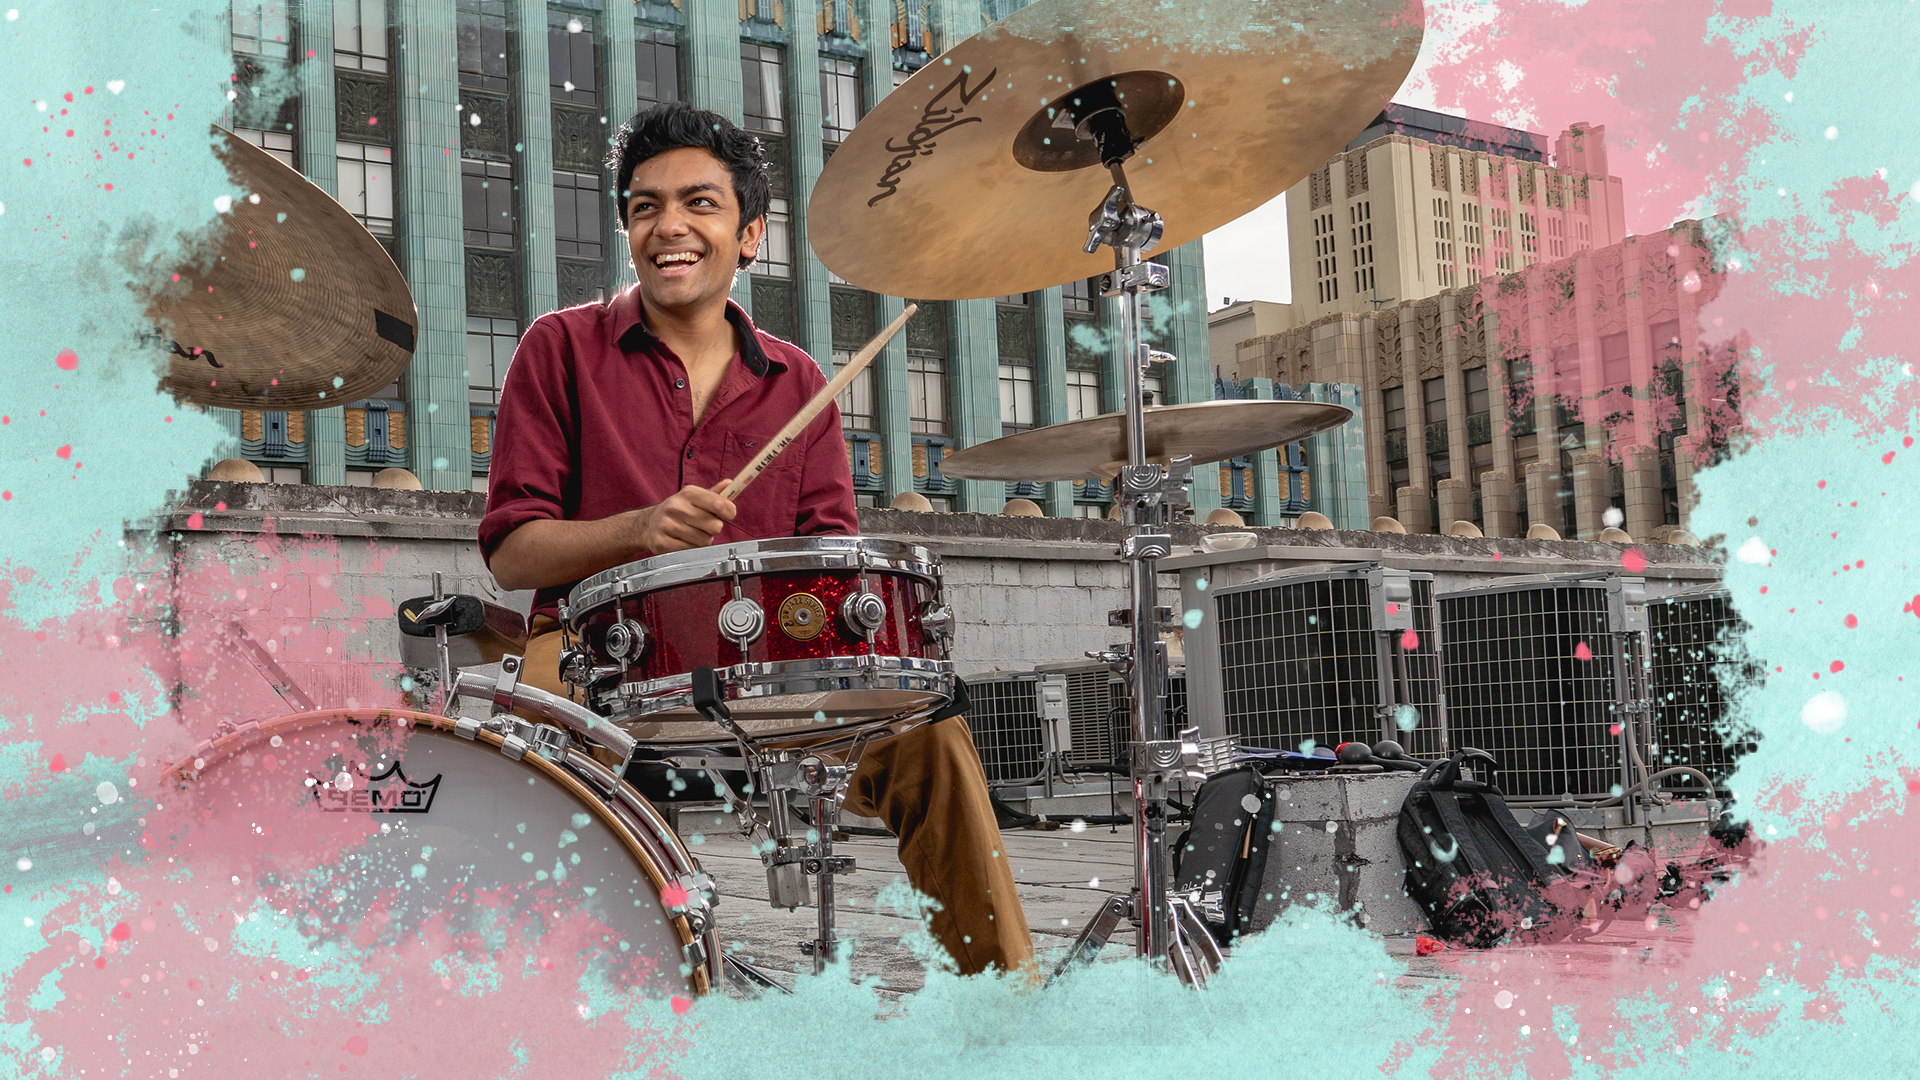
[
  {"x": 1083, "y": 394},
  {"x": 481, "y": 29},
  {"x": 1016, "y": 397},
  {"x": 360, "y": 35},
  {"x": 1153, "y": 384},
  {"x": 576, "y": 215},
  {"x": 1433, "y": 395},
  {"x": 1616, "y": 366},
  {"x": 1394, "y": 406},
  {"x": 1078, "y": 295},
  {"x": 1502, "y": 222},
  {"x": 283, "y": 474},
  {"x": 1326, "y": 267},
  {"x": 1472, "y": 236},
  {"x": 1556, "y": 237},
  {"x": 366, "y": 184},
  {"x": 262, "y": 28},
  {"x": 487, "y": 203},
  {"x": 840, "y": 98},
  {"x": 1443, "y": 242},
  {"x": 490, "y": 345},
  {"x": 277, "y": 143},
  {"x": 857, "y": 400},
  {"x": 1520, "y": 398},
  {"x": 1529, "y": 239},
  {"x": 1360, "y": 233},
  {"x": 1582, "y": 235},
  {"x": 776, "y": 248},
  {"x": 763, "y": 83},
  {"x": 570, "y": 71},
  {"x": 927, "y": 394},
  {"x": 1479, "y": 402},
  {"x": 656, "y": 62}
]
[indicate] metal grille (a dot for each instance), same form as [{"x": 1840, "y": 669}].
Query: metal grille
[
  {"x": 1176, "y": 701},
  {"x": 1005, "y": 719},
  {"x": 1693, "y": 653},
  {"x": 1517, "y": 688},
  {"x": 1300, "y": 659},
  {"x": 1096, "y": 714}
]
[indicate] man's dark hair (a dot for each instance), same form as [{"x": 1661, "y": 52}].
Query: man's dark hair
[{"x": 676, "y": 124}]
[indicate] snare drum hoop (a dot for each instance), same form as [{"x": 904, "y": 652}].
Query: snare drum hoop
[
  {"x": 666, "y": 847},
  {"x": 830, "y": 673},
  {"x": 749, "y": 557}
]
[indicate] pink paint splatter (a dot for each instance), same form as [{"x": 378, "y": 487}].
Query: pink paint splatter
[
  {"x": 1887, "y": 458},
  {"x": 58, "y": 764},
  {"x": 1836, "y": 667},
  {"x": 67, "y": 360},
  {"x": 1410, "y": 640},
  {"x": 1581, "y": 652},
  {"x": 64, "y": 452},
  {"x": 1633, "y": 560},
  {"x": 1851, "y": 621},
  {"x": 681, "y": 1004},
  {"x": 194, "y": 520},
  {"x": 356, "y": 1045}
]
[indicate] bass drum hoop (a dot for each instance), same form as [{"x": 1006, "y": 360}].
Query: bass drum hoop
[
  {"x": 630, "y": 825},
  {"x": 790, "y": 677}
]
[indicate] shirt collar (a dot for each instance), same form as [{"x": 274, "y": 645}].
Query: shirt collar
[{"x": 631, "y": 333}]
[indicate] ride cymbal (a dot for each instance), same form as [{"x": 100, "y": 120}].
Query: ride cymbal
[
  {"x": 1097, "y": 446},
  {"x": 299, "y": 308},
  {"x": 970, "y": 180}
]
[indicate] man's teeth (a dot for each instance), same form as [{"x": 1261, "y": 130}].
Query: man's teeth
[{"x": 676, "y": 257}]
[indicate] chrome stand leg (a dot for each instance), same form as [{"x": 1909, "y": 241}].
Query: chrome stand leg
[
  {"x": 1114, "y": 911},
  {"x": 749, "y": 979}
]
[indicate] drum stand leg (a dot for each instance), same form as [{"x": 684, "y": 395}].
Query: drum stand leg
[{"x": 1149, "y": 494}]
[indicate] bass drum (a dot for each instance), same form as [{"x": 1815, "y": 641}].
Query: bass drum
[{"x": 402, "y": 821}]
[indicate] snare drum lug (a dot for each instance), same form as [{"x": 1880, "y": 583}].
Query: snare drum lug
[
  {"x": 467, "y": 728},
  {"x": 742, "y": 621},
  {"x": 515, "y": 747},
  {"x": 549, "y": 742},
  {"x": 864, "y": 612}
]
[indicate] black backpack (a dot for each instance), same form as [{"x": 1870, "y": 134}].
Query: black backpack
[
  {"x": 1478, "y": 874},
  {"x": 1219, "y": 861}
]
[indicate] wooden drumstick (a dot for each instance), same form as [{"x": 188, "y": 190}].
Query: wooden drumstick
[{"x": 820, "y": 401}]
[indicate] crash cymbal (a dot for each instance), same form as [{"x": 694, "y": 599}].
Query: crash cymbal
[
  {"x": 969, "y": 180},
  {"x": 293, "y": 306},
  {"x": 1097, "y": 446}
]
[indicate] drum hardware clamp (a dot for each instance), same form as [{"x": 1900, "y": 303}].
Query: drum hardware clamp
[
  {"x": 742, "y": 620},
  {"x": 865, "y": 613}
]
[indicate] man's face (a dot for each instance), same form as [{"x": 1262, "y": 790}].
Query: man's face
[{"x": 683, "y": 227}]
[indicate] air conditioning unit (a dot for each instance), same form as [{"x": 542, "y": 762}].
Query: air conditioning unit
[
  {"x": 1692, "y": 652},
  {"x": 1321, "y": 654},
  {"x": 1545, "y": 673},
  {"x": 1096, "y": 714},
  {"x": 1017, "y": 719}
]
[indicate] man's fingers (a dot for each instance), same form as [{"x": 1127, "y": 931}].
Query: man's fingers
[{"x": 711, "y": 502}]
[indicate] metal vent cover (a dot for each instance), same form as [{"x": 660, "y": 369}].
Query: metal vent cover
[
  {"x": 1518, "y": 687},
  {"x": 1005, "y": 717},
  {"x": 1319, "y": 655},
  {"x": 1096, "y": 714},
  {"x": 1694, "y": 656}
]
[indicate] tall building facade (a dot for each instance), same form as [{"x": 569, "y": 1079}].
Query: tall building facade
[
  {"x": 469, "y": 136},
  {"x": 1545, "y": 396},
  {"x": 1421, "y": 203}
]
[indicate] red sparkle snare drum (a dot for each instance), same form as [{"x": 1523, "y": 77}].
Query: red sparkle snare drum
[{"x": 812, "y": 637}]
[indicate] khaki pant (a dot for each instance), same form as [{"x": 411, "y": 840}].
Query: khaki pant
[{"x": 929, "y": 788}]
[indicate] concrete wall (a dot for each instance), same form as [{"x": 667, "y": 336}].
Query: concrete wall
[{"x": 1026, "y": 591}]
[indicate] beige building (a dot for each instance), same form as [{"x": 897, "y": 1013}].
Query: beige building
[{"x": 1542, "y": 397}]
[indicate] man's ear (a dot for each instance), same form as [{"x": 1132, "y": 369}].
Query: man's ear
[{"x": 751, "y": 236}]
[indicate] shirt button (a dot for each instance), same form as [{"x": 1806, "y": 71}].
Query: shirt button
[
  {"x": 679, "y": 384},
  {"x": 689, "y": 455}
]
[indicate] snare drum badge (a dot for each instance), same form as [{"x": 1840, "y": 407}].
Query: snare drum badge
[
  {"x": 802, "y": 616},
  {"x": 390, "y": 791}
]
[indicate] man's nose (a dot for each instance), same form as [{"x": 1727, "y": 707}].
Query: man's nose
[{"x": 673, "y": 221}]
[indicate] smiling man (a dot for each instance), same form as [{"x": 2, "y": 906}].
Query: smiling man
[{"x": 619, "y": 421}]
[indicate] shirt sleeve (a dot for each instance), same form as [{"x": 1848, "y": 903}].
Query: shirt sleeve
[
  {"x": 531, "y": 472},
  {"x": 826, "y": 483}
]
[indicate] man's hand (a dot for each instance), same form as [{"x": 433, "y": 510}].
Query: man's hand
[{"x": 689, "y": 518}]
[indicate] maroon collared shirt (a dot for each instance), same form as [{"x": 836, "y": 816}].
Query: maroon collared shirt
[{"x": 596, "y": 418}]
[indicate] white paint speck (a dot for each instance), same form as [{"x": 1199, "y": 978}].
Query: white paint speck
[
  {"x": 107, "y": 793},
  {"x": 113, "y": 886},
  {"x": 574, "y": 26},
  {"x": 1833, "y": 133},
  {"x": 25, "y": 864},
  {"x": 1825, "y": 712},
  {"x": 1611, "y": 517},
  {"x": 210, "y": 943},
  {"x": 223, "y": 203},
  {"x": 1504, "y": 999},
  {"x": 474, "y": 119},
  {"x": 116, "y": 85},
  {"x": 1755, "y": 550}
]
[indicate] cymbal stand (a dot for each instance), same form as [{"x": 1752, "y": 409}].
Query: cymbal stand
[{"x": 1168, "y": 930}]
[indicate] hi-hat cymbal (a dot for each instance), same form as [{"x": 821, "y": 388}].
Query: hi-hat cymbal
[
  {"x": 1097, "y": 446},
  {"x": 300, "y": 308},
  {"x": 961, "y": 184}
]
